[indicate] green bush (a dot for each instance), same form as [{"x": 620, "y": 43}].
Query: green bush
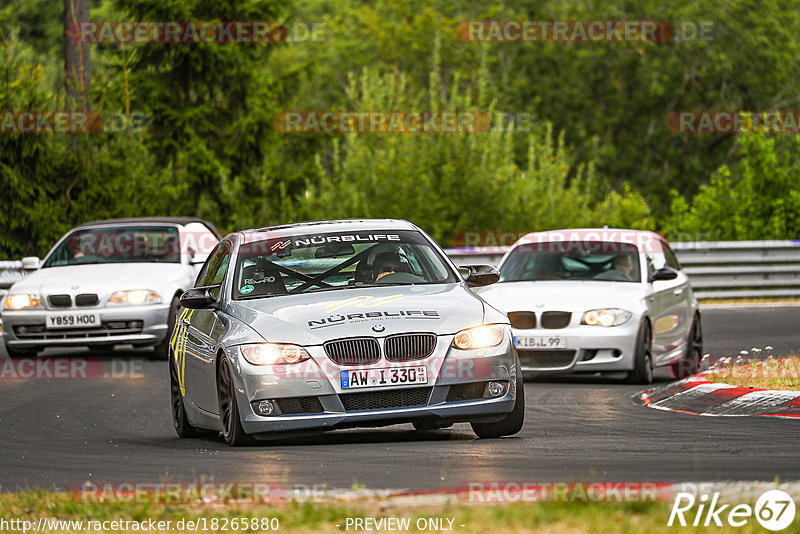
[
  {"x": 453, "y": 182},
  {"x": 757, "y": 197}
]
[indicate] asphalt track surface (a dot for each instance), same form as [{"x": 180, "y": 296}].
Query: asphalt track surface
[{"x": 60, "y": 433}]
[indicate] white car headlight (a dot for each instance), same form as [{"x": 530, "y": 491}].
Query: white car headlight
[
  {"x": 479, "y": 337},
  {"x": 606, "y": 317},
  {"x": 23, "y": 302},
  {"x": 135, "y": 297},
  {"x": 274, "y": 353}
]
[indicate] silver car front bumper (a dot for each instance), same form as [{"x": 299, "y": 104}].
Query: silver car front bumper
[
  {"x": 585, "y": 348},
  {"x": 460, "y": 371},
  {"x": 151, "y": 327}
]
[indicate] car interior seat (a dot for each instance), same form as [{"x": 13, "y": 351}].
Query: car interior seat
[{"x": 265, "y": 278}]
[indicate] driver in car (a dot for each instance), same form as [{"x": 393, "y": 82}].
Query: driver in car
[
  {"x": 387, "y": 263},
  {"x": 624, "y": 264}
]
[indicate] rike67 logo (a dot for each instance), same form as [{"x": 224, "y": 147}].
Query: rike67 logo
[{"x": 774, "y": 510}]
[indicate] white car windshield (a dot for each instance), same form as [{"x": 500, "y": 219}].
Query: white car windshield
[
  {"x": 117, "y": 244},
  {"x": 322, "y": 262},
  {"x": 600, "y": 261}
]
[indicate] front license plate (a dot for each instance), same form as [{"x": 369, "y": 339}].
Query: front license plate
[
  {"x": 73, "y": 320},
  {"x": 540, "y": 342},
  {"x": 392, "y": 376}
]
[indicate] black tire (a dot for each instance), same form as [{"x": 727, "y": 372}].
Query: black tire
[
  {"x": 180, "y": 421},
  {"x": 424, "y": 426},
  {"x": 511, "y": 423},
  {"x": 689, "y": 364},
  {"x": 232, "y": 430},
  {"x": 162, "y": 350},
  {"x": 642, "y": 372},
  {"x": 22, "y": 353}
]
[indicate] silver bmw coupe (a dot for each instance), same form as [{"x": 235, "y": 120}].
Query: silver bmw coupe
[{"x": 336, "y": 324}]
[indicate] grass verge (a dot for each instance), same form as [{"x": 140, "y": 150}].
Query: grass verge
[
  {"x": 767, "y": 373},
  {"x": 293, "y": 517}
]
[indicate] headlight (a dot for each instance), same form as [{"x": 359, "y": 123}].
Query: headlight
[
  {"x": 274, "y": 353},
  {"x": 135, "y": 297},
  {"x": 606, "y": 317},
  {"x": 480, "y": 337},
  {"x": 23, "y": 302}
]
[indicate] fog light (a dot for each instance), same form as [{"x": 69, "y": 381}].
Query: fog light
[
  {"x": 265, "y": 407},
  {"x": 496, "y": 389}
]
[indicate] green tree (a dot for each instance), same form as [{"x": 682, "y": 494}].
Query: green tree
[
  {"x": 452, "y": 182},
  {"x": 757, "y": 197},
  {"x": 212, "y": 104}
]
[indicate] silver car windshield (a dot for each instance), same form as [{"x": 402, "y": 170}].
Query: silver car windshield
[
  {"x": 337, "y": 261},
  {"x": 600, "y": 261},
  {"x": 118, "y": 244}
]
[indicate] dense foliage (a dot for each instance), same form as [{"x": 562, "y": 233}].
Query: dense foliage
[{"x": 597, "y": 149}]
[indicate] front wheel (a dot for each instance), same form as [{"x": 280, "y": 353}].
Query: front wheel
[
  {"x": 642, "y": 372},
  {"x": 180, "y": 421},
  {"x": 511, "y": 423},
  {"x": 232, "y": 429}
]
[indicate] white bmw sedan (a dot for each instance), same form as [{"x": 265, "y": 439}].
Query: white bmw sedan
[
  {"x": 599, "y": 300},
  {"x": 107, "y": 283}
]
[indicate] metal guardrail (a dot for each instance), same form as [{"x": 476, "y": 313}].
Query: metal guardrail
[{"x": 717, "y": 269}]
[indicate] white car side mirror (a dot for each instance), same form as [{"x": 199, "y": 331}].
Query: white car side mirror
[{"x": 31, "y": 263}]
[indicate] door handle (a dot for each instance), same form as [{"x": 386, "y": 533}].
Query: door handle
[{"x": 678, "y": 291}]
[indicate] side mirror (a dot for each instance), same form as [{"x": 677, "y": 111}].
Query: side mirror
[
  {"x": 31, "y": 263},
  {"x": 198, "y": 298},
  {"x": 479, "y": 275},
  {"x": 664, "y": 273}
]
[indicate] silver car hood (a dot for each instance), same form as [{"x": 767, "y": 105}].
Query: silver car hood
[
  {"x": 572, "y": 295},
  {"x": 313, "y": 318},
  {"x": 102, "y": 279}
]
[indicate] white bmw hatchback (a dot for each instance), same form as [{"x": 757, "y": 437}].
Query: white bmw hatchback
[{"x": 599, "y": 300}]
